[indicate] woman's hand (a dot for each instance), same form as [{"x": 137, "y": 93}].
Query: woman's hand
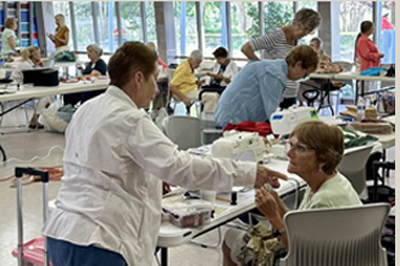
[
  {"x": 218, "y": 76},
  {"x": 267, "y": 203},
  {"x": 265, "y": 175},
  {"x": 166, "y": 188},
  {"x": 40, "y": 64}
]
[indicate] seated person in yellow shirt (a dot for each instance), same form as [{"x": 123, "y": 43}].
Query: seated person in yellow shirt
[{"x": 184, "y": 83}]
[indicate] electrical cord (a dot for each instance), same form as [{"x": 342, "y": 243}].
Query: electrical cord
[
  {"x": 2, "y": 164},
  {"x": 34, "y": 158},
  {"x": 297, "y": 191}
]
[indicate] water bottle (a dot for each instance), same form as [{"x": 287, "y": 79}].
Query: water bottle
[{"x": 360, "y": 109}]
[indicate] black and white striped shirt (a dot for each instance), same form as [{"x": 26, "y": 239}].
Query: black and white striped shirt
[{"x": 274, "y": 46}]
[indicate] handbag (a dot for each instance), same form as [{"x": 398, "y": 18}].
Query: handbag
[{"x": 262, "y": 248}]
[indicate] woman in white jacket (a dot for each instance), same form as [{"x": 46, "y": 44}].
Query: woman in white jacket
[
  {"x": 109, "y": 206},
  {"x": 224, "y": 69}
]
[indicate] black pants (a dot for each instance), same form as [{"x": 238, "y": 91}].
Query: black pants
[{"x": 74, "y": 98}]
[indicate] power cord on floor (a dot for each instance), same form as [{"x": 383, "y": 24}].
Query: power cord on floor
[{"x": 34, "y": 158}]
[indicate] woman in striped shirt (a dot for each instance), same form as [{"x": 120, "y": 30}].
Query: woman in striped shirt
[{"x": 278, "y": 43}]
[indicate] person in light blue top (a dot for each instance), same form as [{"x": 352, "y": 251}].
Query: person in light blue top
[
  {"x": 9, "y": 40},
  {"x": 257, "y": 90}
]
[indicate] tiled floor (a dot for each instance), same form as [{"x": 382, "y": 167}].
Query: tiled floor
[{"x": 25, "y": 146}]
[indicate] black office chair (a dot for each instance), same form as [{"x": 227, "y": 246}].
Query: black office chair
[{"x": 324, "y": 92}]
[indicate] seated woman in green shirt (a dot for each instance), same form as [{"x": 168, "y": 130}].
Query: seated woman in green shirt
[{"x": 315, "y": 149}]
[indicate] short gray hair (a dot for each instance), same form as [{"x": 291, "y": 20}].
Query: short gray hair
[
  {"x": 196, "y": 55},
  {"x": 96, "y": 49},
  {"x": 308, "y": 17}
]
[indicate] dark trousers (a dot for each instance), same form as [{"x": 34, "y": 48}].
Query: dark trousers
[
  {"x": 75, "y": 98},
  {"x": 63, "y": 253}
]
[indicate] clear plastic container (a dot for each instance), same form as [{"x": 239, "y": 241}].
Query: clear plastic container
[
  {"x": 189, "y": 213},
  {"x": 360, "y": 109}
]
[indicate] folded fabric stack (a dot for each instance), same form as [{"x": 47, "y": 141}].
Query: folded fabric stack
[{"x": 372, "y": 127}]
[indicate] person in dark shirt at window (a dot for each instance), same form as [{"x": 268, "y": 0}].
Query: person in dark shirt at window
[{"x": 95, "y": 68}]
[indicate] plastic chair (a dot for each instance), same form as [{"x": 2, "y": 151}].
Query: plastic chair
[
  {"x": 353, "y": 166},
  {"x": 332, "y": 237},
  {"x": 184, "y": 131}
]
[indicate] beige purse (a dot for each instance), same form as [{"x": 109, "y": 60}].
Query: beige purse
[{"x": 262, "y": 248}]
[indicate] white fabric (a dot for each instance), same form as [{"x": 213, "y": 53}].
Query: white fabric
[
  {"x": 17, "y": 75},
  {"x": 115, "y": 158},
  {"x": 230, "y": 71}
]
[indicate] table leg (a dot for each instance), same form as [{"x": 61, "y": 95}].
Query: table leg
[
  {"x": 356, "y": 98},
  {"x": 362, "y": 88},
  {"x": 375, "y": 174},
  {"x": 3, "y": 153},
  {"x": 164, "y": 256}
]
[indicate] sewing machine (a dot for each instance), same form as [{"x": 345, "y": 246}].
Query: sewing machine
[
  {"x": 284, "y": 121},
  {"x": 241, "y": 146}
]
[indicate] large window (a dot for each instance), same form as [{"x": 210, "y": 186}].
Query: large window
[
  {"x": 151, "y": 22},
  {"x": 107, "y": 25},
  {"x": 277, "y": 14},
  {"x": 131, "y": 21},
  {"x": 212, "y": 21},
  {"x": 84, "y": 24},
  {"x": 244, "y": 18},
  {"x": 352, "y": 13},
  {"x": 185, "y": 27},
  {"x": 385, "y": 31}
]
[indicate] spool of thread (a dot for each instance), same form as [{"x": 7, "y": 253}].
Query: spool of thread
[{"x": 233, "y": 198}]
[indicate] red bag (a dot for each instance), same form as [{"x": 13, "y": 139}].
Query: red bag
[{"x": 262, "y": 128}]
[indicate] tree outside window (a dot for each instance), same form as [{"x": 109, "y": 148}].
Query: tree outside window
[
  {"x": 241, "y": 24},
  {"x": 107, "y": 25},
  {"x": 151, "y": 22},
  {"x": 212, "y": 24},
  {"x": 185, "y": 27},
  {"x": 84, "y": 24},
  {"x": 131, "y": 21}
]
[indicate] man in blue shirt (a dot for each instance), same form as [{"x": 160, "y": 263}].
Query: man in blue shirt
[{"x": 255, "y": 93}]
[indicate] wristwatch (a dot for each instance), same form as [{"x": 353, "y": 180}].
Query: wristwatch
[{"x": 280, "y": 232}]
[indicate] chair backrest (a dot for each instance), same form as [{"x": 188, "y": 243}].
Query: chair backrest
[
  {"x": 344, "y": 64},
  {"x": 184, "y": 131},
  {"x": 340, "y": 236},
  {"x": 353, "y": 166}
]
